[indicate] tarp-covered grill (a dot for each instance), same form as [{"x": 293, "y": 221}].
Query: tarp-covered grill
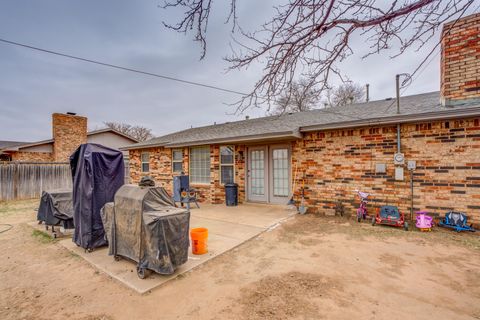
[
  {"x": 98, "y": 172},
  {"x": 144, "y": 225},
  {"x": 56, "y": 208}
]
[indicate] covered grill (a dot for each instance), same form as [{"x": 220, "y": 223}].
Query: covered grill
[
  {"x": 56, "y": 208},
  {"x": 144, "y": 225},
  {"x": 98, "y": 172}
]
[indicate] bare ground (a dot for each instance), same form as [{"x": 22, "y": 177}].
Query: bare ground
[{"x": 308, "y": 268}]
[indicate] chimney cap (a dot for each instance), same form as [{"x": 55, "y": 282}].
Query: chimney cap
[{"x": 72, "y": 113}]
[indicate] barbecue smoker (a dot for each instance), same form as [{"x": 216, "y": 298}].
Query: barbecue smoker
[{"x": 143, "y": 225}]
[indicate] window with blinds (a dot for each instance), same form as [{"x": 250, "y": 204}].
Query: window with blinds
[
  {"x": 145, "y": 161},
  {"x": 227, "y": 164},
  {"x": 200, "y": 165},
  {"x": 177, "y": 160}
]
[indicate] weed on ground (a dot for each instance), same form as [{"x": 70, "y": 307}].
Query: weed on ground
[
  {"x": 8, "y": 208},
  {"x": 42, "y": 236}
]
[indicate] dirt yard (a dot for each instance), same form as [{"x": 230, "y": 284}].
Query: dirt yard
[{"x": 308, "y": 268}]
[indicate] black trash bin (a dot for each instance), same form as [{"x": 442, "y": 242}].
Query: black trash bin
[{"x": 231, "y": 194}]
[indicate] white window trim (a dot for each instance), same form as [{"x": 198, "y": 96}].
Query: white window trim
[
  {"x": 143, "y": 162},
  {"x": 177, "y": 161},
  {"x": 190, "y": 166},
  {"x": 226, "y": 164}
]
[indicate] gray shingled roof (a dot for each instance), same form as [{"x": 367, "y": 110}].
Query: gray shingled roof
[
  {"x": 7, "y": 144},
  {"x": 415, "y": 107}
]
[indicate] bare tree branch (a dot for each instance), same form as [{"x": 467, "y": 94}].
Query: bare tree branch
[
  {"x": 138, "y": 132},
  {"x": 344, "y": 94},
  {"x": 300, "y": 97},
  {"x": 308, "y": 39}
]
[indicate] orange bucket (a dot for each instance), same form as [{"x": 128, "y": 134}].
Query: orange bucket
[{"x": 199, "y": 240}]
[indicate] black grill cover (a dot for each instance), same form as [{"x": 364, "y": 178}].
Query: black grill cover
[
  {"x": 56, "y": 207},
  {"x": 97, "y": 172},
  {"x": 144, "y": 225}
]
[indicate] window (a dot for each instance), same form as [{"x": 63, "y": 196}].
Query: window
[
  {"x": 227, "y": 159},
  {"x": 200, "y": 165},
  {"x": 145, "y": 161},
  {"x": 177, "y": 160}
]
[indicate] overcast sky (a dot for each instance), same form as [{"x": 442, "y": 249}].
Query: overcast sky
[{"x": 130, "y": 33}]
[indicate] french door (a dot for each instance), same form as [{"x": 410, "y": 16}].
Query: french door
[
  {"x": 269, "y": 174},
  {"x": 257, "y": 174}
]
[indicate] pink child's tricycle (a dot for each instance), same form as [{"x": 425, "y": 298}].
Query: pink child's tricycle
[
  {"x": 424, "y": 222},
  {"x": 362, "y": 213}
]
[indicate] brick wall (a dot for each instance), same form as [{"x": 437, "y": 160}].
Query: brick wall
[
  {"x": 161, "y": 171},
  {"x": 460, "y": 67},
  {"x": 69, "y": 132},
  {"x": 447, "y": 153},
  {"x": 160, "y": 167},
  {"x": 32, "y": 156},
  {"x": 334, "y": 163}
]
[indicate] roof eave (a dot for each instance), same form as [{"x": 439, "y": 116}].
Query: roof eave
[
  {"x": 114, "y": 131},
  {"x": 34, "y": 144},
  {"x": 429, "y": 116},
  {"x": 250, "y": 138},
  {"x": 143, "y": 146}
]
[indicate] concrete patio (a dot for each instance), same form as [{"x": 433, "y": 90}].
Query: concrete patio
[{"x": 228, "y": 227}]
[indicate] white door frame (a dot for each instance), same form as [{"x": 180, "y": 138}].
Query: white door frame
[
  {"x": 272, "y": 197},
  {"x": 250, "y": 195},
  {"x": 268, "y": 197}
]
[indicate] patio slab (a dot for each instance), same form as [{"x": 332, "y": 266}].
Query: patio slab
[{"x": 228, "y": 227}]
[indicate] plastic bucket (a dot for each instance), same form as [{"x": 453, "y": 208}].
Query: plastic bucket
[{"x": 199, "y": 240}]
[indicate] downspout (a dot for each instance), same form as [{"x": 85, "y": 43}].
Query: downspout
[{"x": 397, "y": 78}]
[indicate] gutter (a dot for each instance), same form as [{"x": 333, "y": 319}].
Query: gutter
[
  {"x": 430, "y": 116},
  {"x": 257, "y": 137},
  {"x": 445, "y": 113},
  {"x": 32, "y": 144},
  {"x": 295, "y": 134}
]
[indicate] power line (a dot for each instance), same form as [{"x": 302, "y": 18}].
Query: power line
[
  {"x": 436, "y": 46},
  {"x": 410, "y": 76},
  {"x": 438, "y": 52},
  {"x": 121, "y": 67},
  {"x": 141, "y": 72}
]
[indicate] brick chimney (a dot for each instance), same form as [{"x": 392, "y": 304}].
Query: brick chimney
[
  {"x": 69, "y": 131},
  {"x": 460, "y": 62}
]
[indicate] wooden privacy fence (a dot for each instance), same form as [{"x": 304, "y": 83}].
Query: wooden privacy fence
[{"x": 25, "y": 180}]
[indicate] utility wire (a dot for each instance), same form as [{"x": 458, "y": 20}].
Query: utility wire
[
  {"x": 120, "y": 67},
  {"x": 219, "y": 88},
  {"x": 142, "y": 72},
  {"x": 410, "y": 76},
  {"x": 438, "y": 52}
]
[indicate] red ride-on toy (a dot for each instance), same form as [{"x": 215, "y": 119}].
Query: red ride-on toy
[{"x": 390, "y": 216}]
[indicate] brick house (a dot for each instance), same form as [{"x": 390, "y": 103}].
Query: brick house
[
  {"x": 333, "y": 152},
  {"x": 68, "y": 132}
]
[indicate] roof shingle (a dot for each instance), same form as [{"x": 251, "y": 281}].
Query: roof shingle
[{"x": 373, "y": 112}]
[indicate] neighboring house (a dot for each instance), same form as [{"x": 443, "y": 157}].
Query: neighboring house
[
  {"x": 332, "y": 152},
  {"x": 69, "y": 131}
]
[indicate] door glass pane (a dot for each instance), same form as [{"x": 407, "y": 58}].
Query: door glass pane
[
  {"x": 257, "y": 172},
  {"x": 280, "y": 172}
]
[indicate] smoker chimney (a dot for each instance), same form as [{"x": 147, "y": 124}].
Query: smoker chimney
[
  {"x": 367, "y": 92},
  {"x": 460, "y": 63},
  {"x": 247, "y": 117}
]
